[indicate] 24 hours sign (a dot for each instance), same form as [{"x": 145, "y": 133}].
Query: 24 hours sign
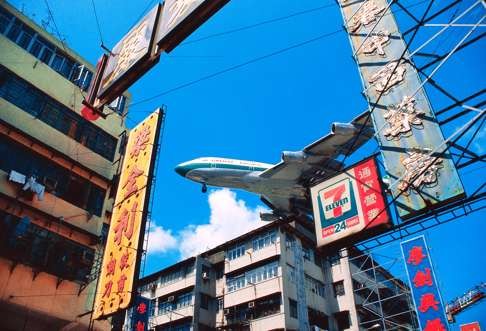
[{"x": 349, "y": 203}]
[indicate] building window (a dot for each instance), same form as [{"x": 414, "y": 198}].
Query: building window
[
  {"x": 314, "y": 286},
  {"x": 264, "y": 240},
  {"x": 181, "y": 327},
  {"x": 118, "y": 105},
  {"x": 176, "y": 275},
  {"x": 181, "y": 301},
  {"x": 33, "y": 101},
  {"x": 5, "y": 19},
  {"x": 335, "y": 259},
  {"x": 32, "y": 245},
  {"x": 184, "y": 300},
  {"x": 289, "y": 240},
  {"x": 292, "y": 275},
  {"x": 253, "y": 276},
  {"x": 42, "y": 49},
  {"x": 338, "y": 288},
  {"x": 152, "y": 307},
  {"x": 205, "y": 299},
  {"x": 307, "y": 253},
  {"x": 56, "y": 179},
  {"x": 220, "y": 302},
  {"x": 235, "y": 252},
  {"x": 343, "y": 320},
  {"x": 293, "y": 308}
]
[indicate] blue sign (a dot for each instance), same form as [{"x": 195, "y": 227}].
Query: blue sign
[
  {"x": 423, "y": 285},
  {"x": 140, "y": 314}
]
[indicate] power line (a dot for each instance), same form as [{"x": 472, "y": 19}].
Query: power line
[
  {"x": 97, "y": 22},
  {"x": 251, "y": 61},
  {"x": 269, "y": 21},
  {"x": 237, "y": 66}
]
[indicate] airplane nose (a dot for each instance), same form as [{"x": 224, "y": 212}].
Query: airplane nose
[{"x": 181, "y": 170}]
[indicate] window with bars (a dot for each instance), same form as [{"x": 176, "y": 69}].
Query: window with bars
[
  {"x": 35, "y": 102},
  {"x": 45, "y": 51},
  {"x": 58, "y": 181},
  {"x": 235, "y": 252},
  {"x": 338, "y": 288},
  {"x": 264, "y": 240},
  {"x": 253, "y": 276}
]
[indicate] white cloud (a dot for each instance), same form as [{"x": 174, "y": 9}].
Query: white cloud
[
  {"x": 160, "y": 240},
  {"x": 229, "y": 218}
]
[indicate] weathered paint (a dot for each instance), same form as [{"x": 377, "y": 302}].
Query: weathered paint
[{"x": 424, "y": 135}]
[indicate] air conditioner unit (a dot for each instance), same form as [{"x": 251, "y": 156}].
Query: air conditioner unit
[
  {"x": 171, "y": 298},
  {"x": 251, "y": 304},
  {"x": 226, "y": 311},
  {"x": 205, "y": 275}
]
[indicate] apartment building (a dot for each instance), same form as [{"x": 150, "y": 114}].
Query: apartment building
[
  {"x": 271, "y": 278},
  {"x": 57, "y": 173}
]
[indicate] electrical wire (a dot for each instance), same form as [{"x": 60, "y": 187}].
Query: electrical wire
[
  {"x": 251, "y": 61},
  {"x": 265, "y": 22},
  {"x": 97, "y": 22}
]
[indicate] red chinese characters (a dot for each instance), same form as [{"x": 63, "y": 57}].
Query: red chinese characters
[
  {"x": 423, "y": 278},
  {"x": 125, "y": 224},
  {"x": 428, "y": 301},
  {"x": 130, "y": 185},
  {"x": 435, "y": 325},
  {"x": 141, "y": 141},
  {"x": 107, "y": 290},
  {"x": 110, "y": 267},
  {"x": 124, "y": 261},
  {"x": 142, "y": 308},
  {"x": 121, "y": 283},
  {"x": 415, "y": 255},
  {"x": 140, "y": 326}
]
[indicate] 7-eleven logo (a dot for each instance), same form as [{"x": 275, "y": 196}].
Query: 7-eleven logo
[{"x": 336, "y": 199}]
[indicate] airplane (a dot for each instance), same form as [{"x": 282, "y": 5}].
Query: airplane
[{"x": 284, "y": 187}]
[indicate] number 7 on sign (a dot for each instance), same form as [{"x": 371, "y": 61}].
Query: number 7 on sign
[{"x": 335, "y": 195}]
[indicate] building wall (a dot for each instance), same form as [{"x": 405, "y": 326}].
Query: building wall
[
  {"x": 36, "y": 291},
  {"x": 211, "y": 280}
]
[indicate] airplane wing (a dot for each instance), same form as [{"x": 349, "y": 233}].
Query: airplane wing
[{"x": 319, "y": 159}]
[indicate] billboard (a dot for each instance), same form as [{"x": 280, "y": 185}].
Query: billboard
[
  {"x": 123, "y": 249},
  {"x": 182, "y": 17},
  {"x": 349, "y": 203},
  {"x": 406, "y": 128},
  {"x": 423, "y": 285},
  {"x": 474, "y": 326},
  {"x": 130, "y": 58}
]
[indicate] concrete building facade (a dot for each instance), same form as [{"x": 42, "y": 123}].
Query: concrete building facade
[
  {"x": 57, "y": 174},
  {"x": 272, "y": 278}
]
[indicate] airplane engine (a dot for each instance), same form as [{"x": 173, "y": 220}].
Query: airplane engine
[
  {"x": 344, "y": 129},
  {"x": 294, "y": 157}
]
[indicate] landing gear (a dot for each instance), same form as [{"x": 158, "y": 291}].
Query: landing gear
[{"x": 204, "y": 188}]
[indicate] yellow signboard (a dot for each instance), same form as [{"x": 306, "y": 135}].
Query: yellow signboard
[{"x": 125, "y": 238}]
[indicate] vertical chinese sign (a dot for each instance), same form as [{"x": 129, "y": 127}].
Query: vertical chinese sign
[
  {"x": 409, "y": 135},
  {"x": 423, "y": 285},
  {"x": 131, "y": 57},
  {"x": 140, "y": 314},
  {"x": 349, "y": 203},
  {"x": 125, "y": 238}
]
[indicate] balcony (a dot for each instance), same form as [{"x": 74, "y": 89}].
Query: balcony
[
  {"x": 173, "y": 316},
  {"x": 252, "y": 256},
  {"x": 178, "y": 285},
  {"x": 54, "y": 206},
  {"x": 253, "y": 291}
]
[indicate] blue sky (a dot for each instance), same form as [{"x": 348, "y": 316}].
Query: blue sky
[{"x": 282, "y": 102}]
